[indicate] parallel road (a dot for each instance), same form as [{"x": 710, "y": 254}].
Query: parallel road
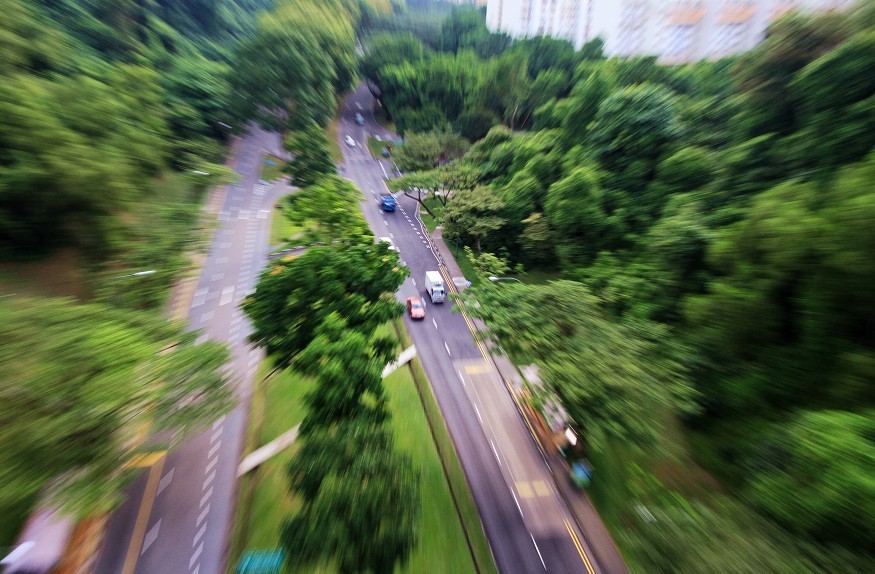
[
  {"x": 177, "y": 516},
  {"x": 527, "y": 523}
]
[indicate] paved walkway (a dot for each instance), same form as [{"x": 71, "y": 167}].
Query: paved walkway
[{"x": 606, "y": 552}]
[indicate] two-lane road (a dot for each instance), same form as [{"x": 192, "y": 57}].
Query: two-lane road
[
  {"x": 177, "y": 517},
  {"x": 527, "y": 523}
]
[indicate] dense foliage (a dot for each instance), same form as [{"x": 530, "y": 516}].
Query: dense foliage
[
  {"x": 716, "y": 219},
  {"x": 80, "y": 384},
  {"x": 319, "y": 313}
]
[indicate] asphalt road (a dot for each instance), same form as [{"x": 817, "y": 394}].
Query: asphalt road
[
  {"x": 177, "y": 516},
  {"x": 528, "y": 525}
]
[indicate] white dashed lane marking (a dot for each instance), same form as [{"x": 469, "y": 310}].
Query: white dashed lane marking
[
  {"x": 165, "y": 481},
  {"x": 203, "y": 515},
  {"x": 150, "y": 537}
]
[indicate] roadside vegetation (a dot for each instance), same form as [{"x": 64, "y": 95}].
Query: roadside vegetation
[
  {"x": 325, "y": 337},
  {"x": 114, "y": 120},
  {"x": 706, "y": 228}
]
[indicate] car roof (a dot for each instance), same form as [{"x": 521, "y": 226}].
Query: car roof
[{"x": 414, "y": 300}]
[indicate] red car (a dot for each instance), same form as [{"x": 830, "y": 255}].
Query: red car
[{"x": 415, "y": 308}]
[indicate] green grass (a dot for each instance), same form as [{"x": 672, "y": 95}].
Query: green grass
[
  {"x": 437, "y": 208},
  {"x": 376, "y": 146},
  {"x": 333, "y": 144},
  {"x": 466, "y": 266},
  {"x": 265, "y": 502},
  {"x": 441, "y": 542},
  {"x": 281, "y": 229},
  {"x": 271, "y": 172}
]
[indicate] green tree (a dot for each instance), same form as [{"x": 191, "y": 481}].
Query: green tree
[
  {"x": 813, "y": 476},
  {"x": 474, "y": 216},
  {"x": 328, "y": 212},
  {"x": 578, "y": 211},
  {"x": 537, "y": 239},
  {"x": 428, "y": 150},
  {"x": 348, "y": 365},
  {"x": 78, "y": 381},
  {"x": 291, "y": 68},
  {"x": 630, "y": 131},
  {"x": 296, "y": 295},
  {"x": 614, "y": 381},
  {"x": 365, "y": 507},
  {"x": 311, "y": 159}
]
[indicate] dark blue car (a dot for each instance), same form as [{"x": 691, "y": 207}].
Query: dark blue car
[{"x": 387, "y": 202}]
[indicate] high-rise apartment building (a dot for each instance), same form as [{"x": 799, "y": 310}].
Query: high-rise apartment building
[{"x": 675, "y": 30}]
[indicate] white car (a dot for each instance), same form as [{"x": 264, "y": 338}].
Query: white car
[
  {"x": 349, "y": 141},
  {"x": 389, "y": 241}
]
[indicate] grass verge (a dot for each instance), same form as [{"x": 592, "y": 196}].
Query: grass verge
[
  {"x": 466, "y": 266},
  {"x": 281, "y": 229},
  {"x": 333, "y": 143},
  {"x": 271, "y": 172},
  {"x": 376, "y": 146},
  {"x": 265, "y": 502}
]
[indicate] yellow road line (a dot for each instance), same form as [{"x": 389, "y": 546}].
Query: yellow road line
[
  {"x": 579, "y": 547},
  {"x": 513, "y": 395},
  {"x": 145, "y": 460},
  {"x": 143, "y": 513}
]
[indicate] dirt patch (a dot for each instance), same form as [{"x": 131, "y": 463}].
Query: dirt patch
[{"x": 59, "y": 275}]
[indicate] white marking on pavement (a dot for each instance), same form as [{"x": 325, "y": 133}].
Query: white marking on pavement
[
  {"x": 434, "y": 322},
  {"x": 414, "y": 281},
  {"x": 219, "y": 422},
  {"x": 150, "y": 537},
  {"x": 447, "y": 347},
  {"x": 217, "y": 434},
  {"x": 386, "y": 222},
  {"x": 476, "y": 410},
  {"x": 518, "y": 507},
  {"x": 461, "y": 378},
  {"x": 212, "y": 477},
  {"x": 214, "y": 449},
  {"x": 200, "y": 534},
  {"x": 196, "y": 570},
  {"x": 207, "y": 316},
  {"x": 206, "y": 497},
  {"x": 196, "y": 555},
  {"x": 221, "y": 260},
  {"x": 165, "y": 481},
  {"x": 538, "y": 550},
  {"x": 495, "y": 452},
  {"x": 203, "y": 515},
  {"x": 386, "y": 175},
  {"x": 391, "y": 236},
  {"x": 227, "y": 295}
]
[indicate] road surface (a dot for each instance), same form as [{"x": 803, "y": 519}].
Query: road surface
[
  {"x": 177, "y": 517},
  {"x": 527, "y": 523}
]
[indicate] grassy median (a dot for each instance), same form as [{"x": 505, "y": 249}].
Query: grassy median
[{"x": 265, "y": 502}]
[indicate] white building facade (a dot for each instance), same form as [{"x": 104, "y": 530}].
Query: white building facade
[{"x": 675, "y": 30}]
